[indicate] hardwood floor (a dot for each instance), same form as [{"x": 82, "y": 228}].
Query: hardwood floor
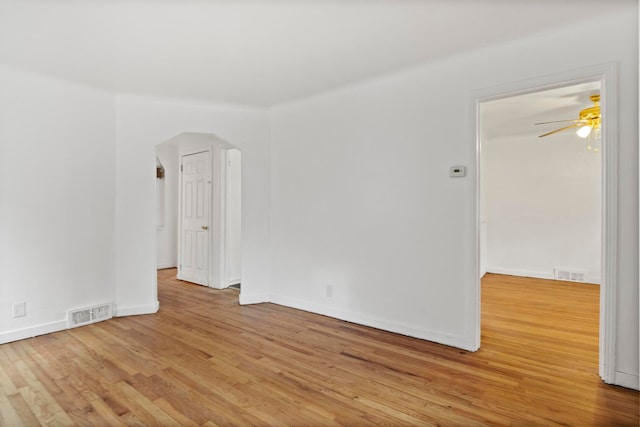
[{"x": 205, "y": 360}]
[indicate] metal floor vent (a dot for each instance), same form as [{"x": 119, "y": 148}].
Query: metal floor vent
[
  {"x": 84, "y": 316},
  {"x": 568, "y": 275}
]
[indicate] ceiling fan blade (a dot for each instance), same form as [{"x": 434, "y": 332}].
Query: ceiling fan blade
[
  {"x": 557, "y": 121},
  {"x": 575, "y": 125}
]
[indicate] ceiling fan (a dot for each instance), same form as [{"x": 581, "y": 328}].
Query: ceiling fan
[{"x": 588, "y": 120}]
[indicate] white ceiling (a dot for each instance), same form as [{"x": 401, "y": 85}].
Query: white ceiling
[
  {"x": 260, "y": 52},
  {"x": 517, "y": 115}
]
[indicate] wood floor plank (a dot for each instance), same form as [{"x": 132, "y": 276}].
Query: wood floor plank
[
  {"x": 8, "y": 414},
  {"x": 104, "y": 414},
  {"x": 6, "y": 385},
  {"x": 141, "y": 405},
  {"x": 169, "y": 409},
  {"x": 205, "y": 360},
  {"x": 43, "y": 406},
  {"x": 24, "y": 413}
]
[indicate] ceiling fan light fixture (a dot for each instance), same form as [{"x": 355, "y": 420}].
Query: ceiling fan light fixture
[
  {"x": 589, "y": 120},
  {"x": 584, "y": 131}
]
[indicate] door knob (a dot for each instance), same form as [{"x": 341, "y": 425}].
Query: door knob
[{"x": 204, "y": 227}]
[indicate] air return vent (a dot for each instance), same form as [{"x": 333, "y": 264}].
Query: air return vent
[
  {"x": 87, "y": 315},
  {"x": 568, "y": 274}
]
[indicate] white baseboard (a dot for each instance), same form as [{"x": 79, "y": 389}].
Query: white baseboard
[
  {"x": 33, "y": 331},
  {"x": 365, "y": 320},
  {"x": 593, "y": 280},
  {"x": 163, "y": 266},
  {"x": 534, "y": 274},
  {"x": 627, "y": 380},
  {"x": 245, "y": 299},
  {"x": 520, "y": 273},
  {"x": 233, "y": 281},
  {"x": 136, "y": 310}
]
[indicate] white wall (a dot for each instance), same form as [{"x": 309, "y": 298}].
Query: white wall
[
  {"x": 144, "y": 122},
  {"x": 57, "y": 200},
  {"x": 233, "y": 216},
  {"x": 167, "y": 235},
  {"x": 541, "y": 205},
  {"x": 361, "y": 200}
]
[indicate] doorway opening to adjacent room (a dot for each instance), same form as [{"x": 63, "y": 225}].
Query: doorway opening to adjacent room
[
  {"x": 546, "y": 206},
  {"x": 198, "y": 200}
]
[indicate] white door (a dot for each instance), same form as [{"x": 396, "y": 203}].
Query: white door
[{"x": 194, "y": 207}]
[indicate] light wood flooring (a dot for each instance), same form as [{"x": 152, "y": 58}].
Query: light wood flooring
[{"x": 205, "y": 360}]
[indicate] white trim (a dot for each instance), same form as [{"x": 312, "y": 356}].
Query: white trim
[
  {"x": 591, "y": 280},
  {"x": 609, "y": 288},
  {"x": 224, "y": 256},
  {"x": 62, "y": 325},
  {"x": 32, "y": 331},
  {"x": 216, "y": 217},
  {"x": 165, "y": 266},
  {"x": 222, "y": 217},
  {"x": 627, "y": 380},
  {"x": 519, "y": 273},
  {"x": 245, "y": 299},
  {"x": 233, "y": 281},
  {"x": 136, "y": 310},
  {"x": 457, "y": 341},
  {"x": 606, "y": 75}
]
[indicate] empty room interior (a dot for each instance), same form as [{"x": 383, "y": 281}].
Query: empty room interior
[{"x": 296, "y": 212}]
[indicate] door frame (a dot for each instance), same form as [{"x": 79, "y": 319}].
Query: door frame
[
  {"x": 224, "y": 274},
  {"x": 188, "y": 152},
  {"x": 219, "y": 271},
  {"x": 606, "y": 74}
]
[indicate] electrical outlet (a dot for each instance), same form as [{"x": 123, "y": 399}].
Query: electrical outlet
[
  {"x": 457, "y": 171},
  {"x": 19, "y": 309}
]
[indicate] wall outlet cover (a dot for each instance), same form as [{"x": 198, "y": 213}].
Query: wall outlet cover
[
  {"x": 457, "y": 171},
  {"x": 19, "y": 309}
]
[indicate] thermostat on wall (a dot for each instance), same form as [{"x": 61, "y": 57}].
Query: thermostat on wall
[{"x": 457, "y": 171}]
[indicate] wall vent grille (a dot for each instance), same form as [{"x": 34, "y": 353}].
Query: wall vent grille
[
  {"x": 86, "y": 315},
  {"x": 568, "y": 275}
]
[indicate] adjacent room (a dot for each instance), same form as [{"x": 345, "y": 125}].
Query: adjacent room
[{"x": 280, "y": 211}]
